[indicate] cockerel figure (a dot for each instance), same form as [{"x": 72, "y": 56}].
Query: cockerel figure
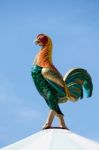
[{"x": 52, "y": 86}]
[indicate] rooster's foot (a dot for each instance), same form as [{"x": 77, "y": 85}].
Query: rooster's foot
[{"x": 46, "y": 126}]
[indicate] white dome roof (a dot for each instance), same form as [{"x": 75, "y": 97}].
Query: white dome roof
[{"x": 54, "y": 139}]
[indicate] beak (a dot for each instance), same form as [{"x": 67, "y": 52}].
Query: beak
[{"x": 36, "y": 41}]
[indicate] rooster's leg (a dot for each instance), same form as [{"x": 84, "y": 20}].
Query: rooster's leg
[
  {"x": 62, "y": 122},
  {"x": 49, "y": 120}
]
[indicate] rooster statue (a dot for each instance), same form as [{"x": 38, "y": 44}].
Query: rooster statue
[{"x": 52, "y": 86}]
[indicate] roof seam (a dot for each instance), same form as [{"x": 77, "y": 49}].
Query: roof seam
[{"x": 52, "y": 139}]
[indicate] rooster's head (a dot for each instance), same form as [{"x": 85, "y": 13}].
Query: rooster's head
[{"x": 41, "y": 40}]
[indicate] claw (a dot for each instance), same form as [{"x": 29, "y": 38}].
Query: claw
[{"x": 46, "y": 126}]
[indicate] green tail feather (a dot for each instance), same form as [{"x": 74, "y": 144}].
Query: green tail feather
[{"x": 78, "y": 80}]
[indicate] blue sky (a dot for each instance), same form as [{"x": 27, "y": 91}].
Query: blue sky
[{"x": 74, "y": 29}]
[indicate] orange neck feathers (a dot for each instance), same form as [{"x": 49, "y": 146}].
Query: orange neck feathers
[{"x": 44, "y": 57}]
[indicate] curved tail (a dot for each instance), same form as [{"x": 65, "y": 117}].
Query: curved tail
[{"x": 78, "y": 81}]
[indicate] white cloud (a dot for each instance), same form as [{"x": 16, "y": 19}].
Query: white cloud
[
  {"x": 13, "y": 104},
  {"x": 6, "y": 90},
  {"x": 14, "y": 113},
  {"x": 27, "y": 113}
]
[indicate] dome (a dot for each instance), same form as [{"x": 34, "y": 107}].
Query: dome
[{"x": 54, "y": 139}]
